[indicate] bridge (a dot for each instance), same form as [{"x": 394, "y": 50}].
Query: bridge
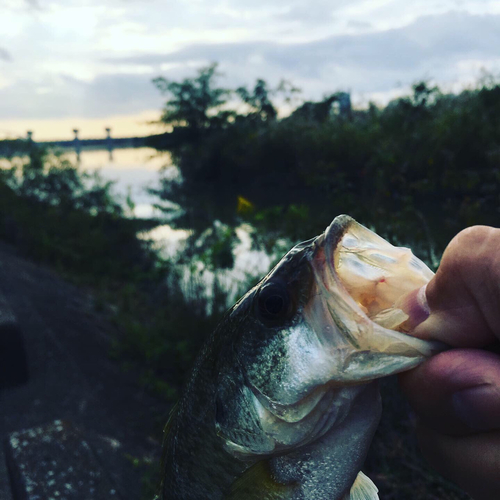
[
  {"x": 11, "y": 147},
  {"x": 108, "y": 142}
]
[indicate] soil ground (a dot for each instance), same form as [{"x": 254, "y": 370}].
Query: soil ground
[{"x": 71, "y": 376}]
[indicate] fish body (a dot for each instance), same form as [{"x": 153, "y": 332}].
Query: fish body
[{"x": 283, "y": 400}]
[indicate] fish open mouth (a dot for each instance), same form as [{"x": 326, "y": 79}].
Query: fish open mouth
[
  {"x": 377, "y": 275},
  {"x": 365, "y": 284}
]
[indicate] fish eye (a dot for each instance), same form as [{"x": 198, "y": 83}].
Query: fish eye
[{"x": 274, "y": 304}]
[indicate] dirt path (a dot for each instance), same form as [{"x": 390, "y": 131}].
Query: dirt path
[{"x": 71, "y": 376}]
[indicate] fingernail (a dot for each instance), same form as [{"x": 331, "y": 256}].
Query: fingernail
[
  {"x": 416, "y": 306},
  {"x": 478, "y": 407}
]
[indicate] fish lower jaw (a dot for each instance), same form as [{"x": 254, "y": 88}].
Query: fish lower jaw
[
  {"x": 377, "y": 275},
  {"x": 367, "y": 351},
  {"x": 364, "y": 281}
]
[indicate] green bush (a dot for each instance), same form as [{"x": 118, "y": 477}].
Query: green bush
[
  {"x": 57, "y": 214},
  {"x": 418, "y": 170}
]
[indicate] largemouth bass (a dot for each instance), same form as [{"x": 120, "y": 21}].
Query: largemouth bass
[{"x": 283, "y": 400}]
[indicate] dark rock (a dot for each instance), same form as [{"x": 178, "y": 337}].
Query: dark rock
[
  {"x": 56, "y": 462},
  {"x": 13, "y": 363},
  {"x": 73, "y": 378}
]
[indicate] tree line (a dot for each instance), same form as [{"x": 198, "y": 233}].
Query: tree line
[{"x": 418, "y": 169}]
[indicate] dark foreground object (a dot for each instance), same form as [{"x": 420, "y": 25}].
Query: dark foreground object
[
  {"x": 56, "y": 461},
  {"x": 13, "y": 364},
  {"x": 73, "y": 379}
]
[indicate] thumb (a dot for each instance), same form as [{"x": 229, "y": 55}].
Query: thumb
[
  {"x": 462, "y": 301},
  {"x": 456, "y": 392}
]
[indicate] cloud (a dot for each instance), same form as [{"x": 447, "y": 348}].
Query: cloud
[
  {"x": 444, "y": 47},
  {"x": 302, "y": 13},
  {"x": 66, "y": 97},
  {"x": 4, "y": 55},
  {"x": 15, "y": 4},
  {"x": 360, "y": 25},
  {"x": 376, "y": 61}
]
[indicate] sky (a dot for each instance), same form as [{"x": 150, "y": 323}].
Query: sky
[{"x": 88, "y": 64}]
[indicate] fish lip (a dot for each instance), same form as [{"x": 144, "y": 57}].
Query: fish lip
[
  {"x": 336, "y": 230},
  {"x": 333, "y": 236},
  {"x": 325, "y": 262},
  {"x": 327, "y": 243}
]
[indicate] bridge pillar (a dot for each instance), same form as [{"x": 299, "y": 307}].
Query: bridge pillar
[
  {"x": 76, "y": 142},
  {"x": 109, "y": 143}
]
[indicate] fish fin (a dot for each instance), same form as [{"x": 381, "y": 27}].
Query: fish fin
[
  {"x": 166, "y": 431},
  {"x": 257, "y": 483},
  {"x": 170, "y": 421},
  {"x": 363, "y": 488}
]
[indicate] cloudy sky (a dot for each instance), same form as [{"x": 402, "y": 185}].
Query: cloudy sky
[{"x": 89, "y": 64}]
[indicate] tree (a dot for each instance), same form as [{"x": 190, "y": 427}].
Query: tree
[
  {"x": 423, "y": 94},
  {"x": 195, "y": 103},
  {"x": 259, "y": 101}
]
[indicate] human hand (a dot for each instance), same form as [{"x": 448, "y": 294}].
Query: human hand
[{"x": 456, "y": 394}]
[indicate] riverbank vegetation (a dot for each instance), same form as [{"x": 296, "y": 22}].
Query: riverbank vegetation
[
  {"x": 417, "y": 170},
  {"x": 56, "y": 214}
]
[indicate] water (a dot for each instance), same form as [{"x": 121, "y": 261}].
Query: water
[{"x": 133, "y": 170}]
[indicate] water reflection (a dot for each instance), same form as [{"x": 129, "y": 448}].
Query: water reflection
[
  {"x": 132, "y": 169},
  {"x": 165, "y": 239},
  {"x": 136, "y": 169},
  {"x": 248, "y": 263}
]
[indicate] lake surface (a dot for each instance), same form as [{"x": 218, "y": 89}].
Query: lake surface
[{"x": 133, "y": 170}]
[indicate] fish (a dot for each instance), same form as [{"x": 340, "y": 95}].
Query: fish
[{"x": 283, "y": 400}]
